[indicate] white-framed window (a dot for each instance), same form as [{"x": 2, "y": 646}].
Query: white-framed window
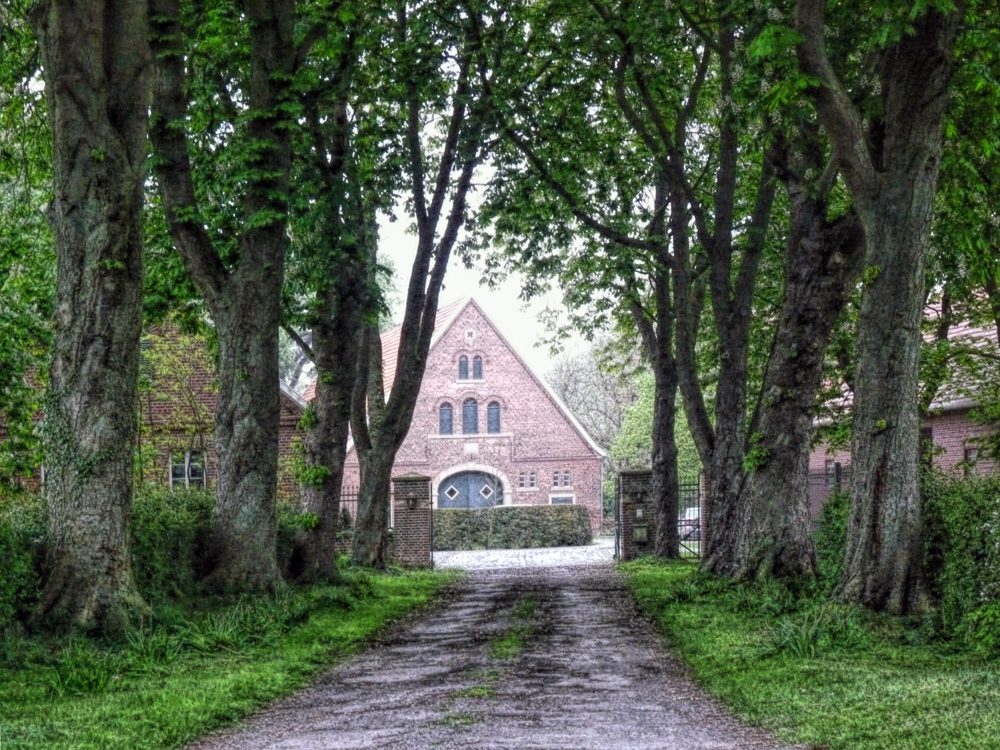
[
  {"x": 970, "y": 456},
  {"x": 522, "y": 480},
  {"x": 532, "y": 480},
  {"x": 567, "y": 479},
  {"x": 187, "y": 469},
  {"x": 561, "y": 500}
]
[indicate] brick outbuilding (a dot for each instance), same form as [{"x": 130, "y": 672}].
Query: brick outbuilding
[
  {"x": 486, "y": 428},
  {"x": 950, "y": 438}
]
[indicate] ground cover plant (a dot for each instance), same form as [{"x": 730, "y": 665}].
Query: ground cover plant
[
  {"x": 195, "y": 666},
  {"x": 823, "y": 674}
]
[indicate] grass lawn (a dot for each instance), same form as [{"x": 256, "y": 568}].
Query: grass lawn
[
  {"x": 822, "y": 674},
  {"x": 165, "y": 685}
]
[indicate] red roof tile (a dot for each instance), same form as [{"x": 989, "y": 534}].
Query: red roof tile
[{"x": 390, "y": 345}]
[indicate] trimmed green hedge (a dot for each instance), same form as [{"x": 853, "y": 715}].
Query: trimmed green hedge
[
  {"x": 961, "y": 524},
  {"x": 511, "y": 527}
]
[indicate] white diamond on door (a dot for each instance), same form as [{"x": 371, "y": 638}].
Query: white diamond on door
[
  {"x": 451, "y": 492},
  {"x": 486, "y": 492}
]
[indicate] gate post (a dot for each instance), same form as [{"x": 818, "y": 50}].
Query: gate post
[
  {"x": 635, "y": 513},
  {"x": 413, "y": 528}
]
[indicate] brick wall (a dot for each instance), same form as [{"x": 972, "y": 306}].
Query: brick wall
[
  {"x": 412, "y": 521},
  {"x": 951, "y": 432},
  {"x": 535, "y": 436},
  {"x": 635, "y": 514}
]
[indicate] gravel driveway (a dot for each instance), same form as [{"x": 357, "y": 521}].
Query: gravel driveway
[{"x": 525, "y": 658}]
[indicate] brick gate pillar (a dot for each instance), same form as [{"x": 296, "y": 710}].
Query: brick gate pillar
[
  {"x": 635, "y": 513},
  {"x": 412, "y": 529}
]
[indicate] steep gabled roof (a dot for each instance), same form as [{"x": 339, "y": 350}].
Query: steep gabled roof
[
  {"x": 446, "y": 317},
  {"x": 294, "y": 397},
  {"x": 553, "y": 396}
]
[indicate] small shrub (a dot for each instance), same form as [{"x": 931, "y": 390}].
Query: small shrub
[
  {"x": 983, "y": 629},
  {"x": 769, "y": 598},
  {"x": 82, "y": 670},
  {"x": 22, "y": 532},
  {"x": 511, "y": 527},
  {"x": 683, "y": 592},
  {"x": 151, "y": 650},
  {"x": 170, "y": 529},
  {"x": 799, "y": 637}
]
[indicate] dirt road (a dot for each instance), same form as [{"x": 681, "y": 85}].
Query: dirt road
[{"x": 534, "y": 658}]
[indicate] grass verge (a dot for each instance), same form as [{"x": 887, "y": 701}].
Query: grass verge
[
  {"x": 192, "y": 672},
  {"x": 822, "y": 674}
]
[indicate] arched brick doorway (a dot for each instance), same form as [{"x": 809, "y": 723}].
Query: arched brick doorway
[{"x": 470, "y": 489}]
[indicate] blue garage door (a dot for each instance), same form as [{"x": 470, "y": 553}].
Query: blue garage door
[{"x": 470, "y": 489}]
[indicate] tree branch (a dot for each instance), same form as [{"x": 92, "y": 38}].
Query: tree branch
[{"x": 840, "y": 117}]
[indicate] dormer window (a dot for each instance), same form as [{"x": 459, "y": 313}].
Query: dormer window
[
  {"x": 477, "y": 368},
  {"x": 463, "y": 368}
]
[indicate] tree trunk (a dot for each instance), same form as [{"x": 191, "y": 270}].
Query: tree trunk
[
  {"x": 890, "y": 165},
  {"x": 96, "y": 68},
  {"x": 242, "y": 289},
  {"x": 244, "y": 549},
  {"x": 371, "y": 532},
  {"x": 821, "y": 267},
  {"x": 883, "y": 549},
  {"x": 337, "y": 346},
  {"x": 665, "y": 484}
]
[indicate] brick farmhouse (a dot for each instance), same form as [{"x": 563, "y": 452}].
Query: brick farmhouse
[{"x": 486, "y": 429}]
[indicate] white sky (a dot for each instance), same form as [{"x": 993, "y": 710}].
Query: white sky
[{"x": 516, "y": 319}]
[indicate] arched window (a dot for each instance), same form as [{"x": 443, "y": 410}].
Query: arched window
[
  {"x": 470, "y": 417},
  {"x": 463, "y": 368},
  {"x": 493, "y": 417},
  {"x": 477, "y": 368},
  {"x": 444, "y": 419}
]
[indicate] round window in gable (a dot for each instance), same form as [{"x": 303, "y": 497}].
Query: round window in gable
[{"x": 470, "y": 335}]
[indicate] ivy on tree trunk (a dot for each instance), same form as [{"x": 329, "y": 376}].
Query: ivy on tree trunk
[{"x": 97, "y": 76}]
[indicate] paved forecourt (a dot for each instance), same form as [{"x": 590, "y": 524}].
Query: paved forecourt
[{"x": 602, "y": 551}]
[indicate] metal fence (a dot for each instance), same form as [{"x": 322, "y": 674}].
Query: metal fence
[
  {"x": 349, "y": 507},
  {"x": 690, "y": 516},
  {"x": 836, "y": 478}
]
